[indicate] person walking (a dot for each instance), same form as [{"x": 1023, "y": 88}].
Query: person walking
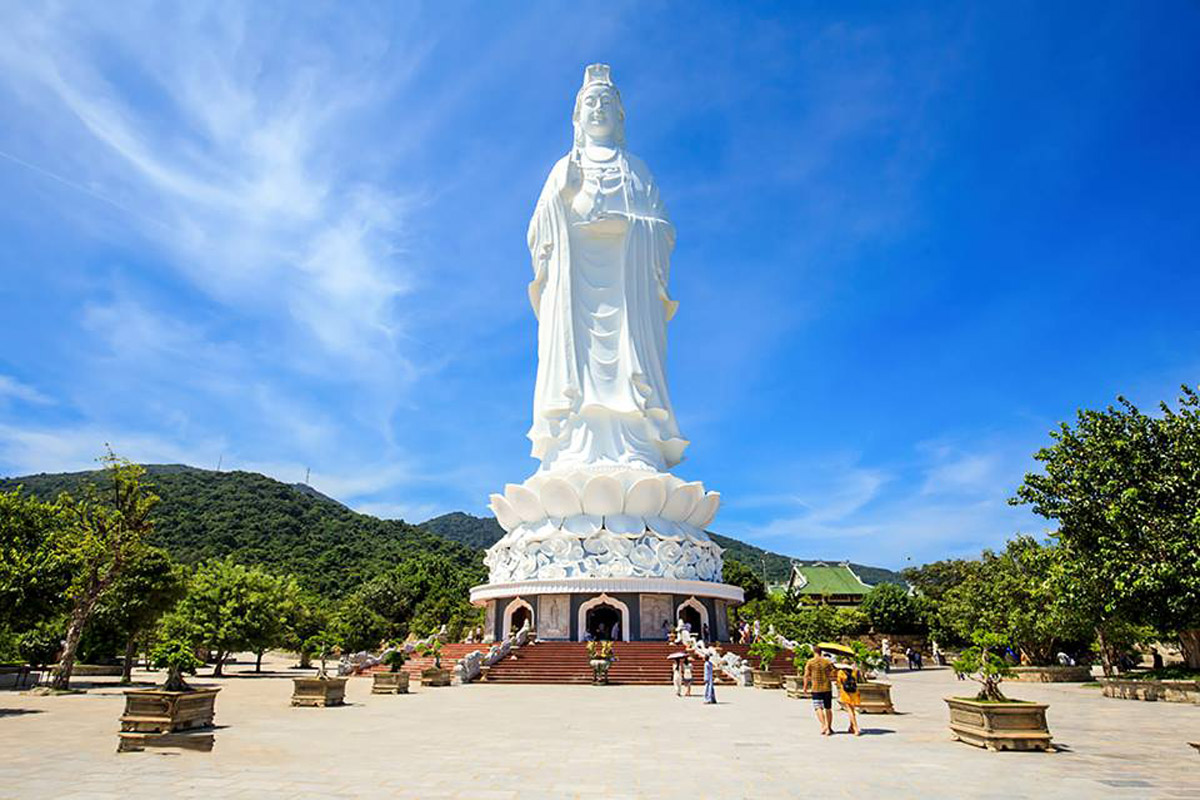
[
  {"x": 818, "y": 681},
  {"x": 885, "y": 650},
  {"x": 677, "y": 675},
  {"x": 848, "y": 679},
  {"x": 710, "y": 687},
  {"x": 687, "y": 676}
]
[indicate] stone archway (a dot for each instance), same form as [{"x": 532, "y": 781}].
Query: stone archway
[
  {"x": 515, "y": 614},
  {"x": 603, "y": 600},
  {"x": 694, "y": 612}
]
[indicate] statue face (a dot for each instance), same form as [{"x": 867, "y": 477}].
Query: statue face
[{"x": 599, "y": 113}]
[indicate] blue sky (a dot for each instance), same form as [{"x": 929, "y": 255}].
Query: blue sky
[{"x": 911, "y": 240}]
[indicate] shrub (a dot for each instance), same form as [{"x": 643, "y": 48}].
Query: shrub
[
  {"x": 177, "y": 656},
  {"x": 983, "y": 664}
]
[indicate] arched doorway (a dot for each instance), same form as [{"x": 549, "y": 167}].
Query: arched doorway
[
  {"x": 695, "y": 614},
  {"x": 601, "y": 622},
  {"x": 605, "y": 607},
  {"x": 517, "y": 614},
  {"x": 691, "y": 618}
]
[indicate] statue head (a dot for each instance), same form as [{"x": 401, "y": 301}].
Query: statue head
[{"x": 598, "y": 114}]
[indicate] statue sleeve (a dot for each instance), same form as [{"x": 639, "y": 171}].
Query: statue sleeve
[{"x": 544, "y": 232}]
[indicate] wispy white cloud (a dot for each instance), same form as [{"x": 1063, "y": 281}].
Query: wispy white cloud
[{"x": 13, "y": 389}]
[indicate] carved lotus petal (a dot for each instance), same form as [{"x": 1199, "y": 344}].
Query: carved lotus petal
[
  {"x": 595, "y": 545},
  {"x": 688, "y": 572},
  {"x": 602, "y": 495},
  {"x": 669, "y": 552},
  {"x": 575, "y": 552},
  {"x": 624, "y": 523},
  {"x": 525, "y": 567},
  {"x": 646, "y": 497},
  {"x": 642, "y": 556},
  {"x": 505, "y": 515},
  {"x": 663, "y": 527},
  {"x": 552, "y": 572},
  {"x": 681, "y": 502},
  {"x": 524, "y": 502},
  {"x": 705, "y": 510},
  {"x": 583, "y": 524},
  {"x": 560, "y": 499},
  {"x": 619, "y": 545},
  {"x": 620, "y": 569}
]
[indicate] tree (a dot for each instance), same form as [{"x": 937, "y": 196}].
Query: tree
[
  {"x": 149, "y": 586},
  {"x": 1012, "y": 594},
  {"x": 890, "y": 609},
  {"x": 35, "y": 572},
  {"x": 230, "y": 607},
  {"x": 1124, "y": 489},
  {"x": 106, "y": 529},
  {"x": 738, "y": 574}
]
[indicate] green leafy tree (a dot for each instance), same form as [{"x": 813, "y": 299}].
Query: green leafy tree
[
  {"x": 1124, "y": 489},
  {"x": 890, "y": 609},
  {"x": 35, "y": 571},
  {"x": 736, "y": 573},
  {"x": 149, "y": 586},
  {"x": 306, "y": 615},
  {"x": 1013, "y": 594},
  {"x": 106, "y": 529}
]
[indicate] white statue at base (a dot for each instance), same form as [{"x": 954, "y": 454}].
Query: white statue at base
[{"x": 602, "y": 504}]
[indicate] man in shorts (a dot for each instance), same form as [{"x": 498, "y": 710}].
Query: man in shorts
[{"x": 818, "y": 679}]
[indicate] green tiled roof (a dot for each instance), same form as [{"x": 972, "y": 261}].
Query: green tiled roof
[{"x": 824, "y": 579}]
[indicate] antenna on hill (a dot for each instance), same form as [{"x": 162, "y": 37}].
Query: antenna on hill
[
  {"x": 219, "y": 460},
  {"x": 307, "y": 473}
]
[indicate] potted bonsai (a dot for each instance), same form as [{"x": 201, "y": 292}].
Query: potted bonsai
[
  {"x": 395, "y": 680},
  {"x": 435, "y": 675},
  {"x": 322, "y": 689},
  {"x": 600, "y": 656},
  {"x": 990, "y": 719},
  {"x": 795, "y": 683},
  {"x": 766, "y": 651},
  {"x": 173, "y": 707},
  {"x": 875, "y": 697}
]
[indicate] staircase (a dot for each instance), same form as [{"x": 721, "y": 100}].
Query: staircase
[{"x": 638, "y": 663}]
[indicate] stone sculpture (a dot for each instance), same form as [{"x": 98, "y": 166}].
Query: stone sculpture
[{"x": 602, "y": 504}]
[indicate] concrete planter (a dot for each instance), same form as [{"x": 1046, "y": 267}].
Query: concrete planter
[
  {"x": 765, "y": 679},
  {"x": 1051, "y": 674},
  {"x": 1167, "y": 691},
  {"x": 390, "y": 683},
  {"x": 875, "y": 698},
  {"x": 435, "y": 677},
  {"x": 318, "y": 691},
  {"x": 160, "y": 711},
  {"x": 794, "y": 684},
  {"x": 1000, "y": 726}
]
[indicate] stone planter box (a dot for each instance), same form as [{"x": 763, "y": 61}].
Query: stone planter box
[
  {"x": 319, "y": 691},
  {"x": 435, "y": 677},
  {"x": 160, "y": 711},
  {"x": 794, "y": 685},
  {"x": 875, "y": 698},
  {"x": 390, "y": 683},
  {"x": 1167, "y": 691},
  {"x": 1000, "y": 726},
  {"x": 765, "y": 679},
  {"x": 95, "y": 670},
  {"x": 1051, "y": 674}
]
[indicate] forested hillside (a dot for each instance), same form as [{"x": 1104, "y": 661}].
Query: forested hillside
[{"x": 257, "y": 520}]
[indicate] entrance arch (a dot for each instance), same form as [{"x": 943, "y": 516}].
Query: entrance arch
[
  {"x": 694, "y": 613},
  {"x": 518, "y": 612},
  {"x": 597, "y": 603}
]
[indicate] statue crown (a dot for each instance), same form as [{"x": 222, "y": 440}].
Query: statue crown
[{"x": 596, "y": 73}]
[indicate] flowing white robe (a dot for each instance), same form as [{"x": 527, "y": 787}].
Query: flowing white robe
[{"x": 602, "y": 307}]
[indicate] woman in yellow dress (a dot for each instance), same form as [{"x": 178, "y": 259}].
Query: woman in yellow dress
[{"x": 848, "y": 678}]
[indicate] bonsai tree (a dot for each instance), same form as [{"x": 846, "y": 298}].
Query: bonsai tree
[
  {"x": 983, "y": 663},
  {"x": 177, "y": 656},
  {"x": 394, "y": 658},
  {"x": 323, "y": 645},
  {"x": 765, "y": 650},
  {"x": 800, "y": 657},
  {"x": 433, "y": 648},
  {"x": 866, "y": 659}
]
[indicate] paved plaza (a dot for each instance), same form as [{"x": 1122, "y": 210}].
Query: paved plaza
[{"x": 493, "y": 741}]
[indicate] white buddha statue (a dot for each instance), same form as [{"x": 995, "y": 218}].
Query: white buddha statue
[{"x": 601, "y": 246}]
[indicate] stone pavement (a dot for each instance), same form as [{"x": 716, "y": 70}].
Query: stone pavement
[{"x": 494, "y": 741}]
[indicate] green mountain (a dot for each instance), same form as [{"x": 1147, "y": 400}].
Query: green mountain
[
  {"x": 258, "y": 520},
  {"x": 485, "y": 531}
]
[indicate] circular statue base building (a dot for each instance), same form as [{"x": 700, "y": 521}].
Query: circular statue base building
[{"x": 603, "y": 541}]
